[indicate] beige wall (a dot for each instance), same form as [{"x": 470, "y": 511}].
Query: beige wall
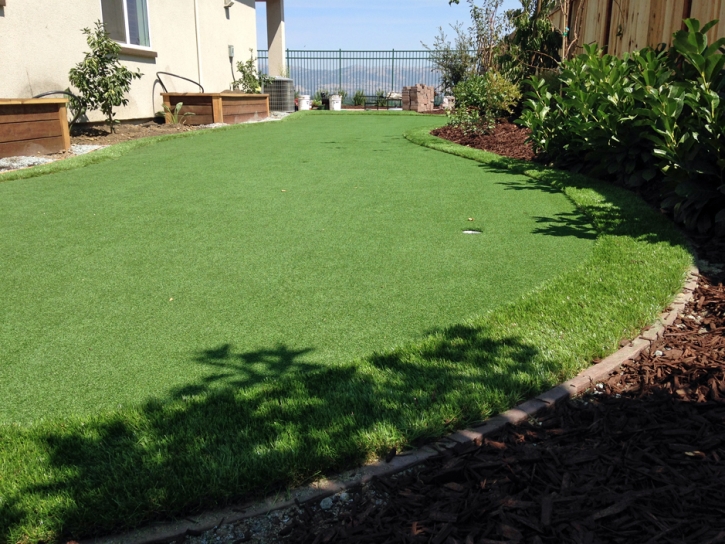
[{"x": 40, "y": 40}]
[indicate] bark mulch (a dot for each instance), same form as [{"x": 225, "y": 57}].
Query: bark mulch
[
  {"x": 641, "y": 459},
  {"x": 506, "y": 139}
]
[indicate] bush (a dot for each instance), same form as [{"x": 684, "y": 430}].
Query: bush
[
  {"x": 358, "y": 99},
  {"x": 100, "y": 79},
  {"x": 534, "y": 45},
  {"x": 687, "y": 118},
  {"x": 250, "y": 80},
  {"x": 381, "y": 98},
  {"x": 589, "y": 126},
  {"x": 342, "y": 93},
  {"x": 652, "y": 116},
  {"x": 481, "y": 99}
]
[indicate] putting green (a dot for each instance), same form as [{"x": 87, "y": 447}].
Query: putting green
[{"x": 235, "y": 256}]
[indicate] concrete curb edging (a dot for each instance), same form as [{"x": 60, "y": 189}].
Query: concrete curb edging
[{"x": 195, "y": 525}]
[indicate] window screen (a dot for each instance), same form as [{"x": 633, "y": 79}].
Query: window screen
[
  {"x": 114, "y": 19},
  {"x": 134, "y": 19},
  {"x": 138, "y": 23}
]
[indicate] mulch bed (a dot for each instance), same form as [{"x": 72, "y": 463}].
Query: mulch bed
[
  {"x": 506, "y": 139},
  {"x": 640, "y": 459}
]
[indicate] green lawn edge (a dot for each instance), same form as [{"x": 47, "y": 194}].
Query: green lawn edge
[
  {"x": 110, "y": 152},
  {"x": 118, "y": 150},
  {"x": 82, "y": 477}
]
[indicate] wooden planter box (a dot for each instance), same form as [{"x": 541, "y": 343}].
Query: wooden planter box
[
  {"x": 230, "y": 108},
  {"x": 35, "y": 125}
]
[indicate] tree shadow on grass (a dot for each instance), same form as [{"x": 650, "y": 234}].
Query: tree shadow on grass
[
  {"x": 174, "y": 457},
  {"x": 566, "y": 224},
  {"x": 614, "y": 211},
  {"x": 246, "y": 369}
]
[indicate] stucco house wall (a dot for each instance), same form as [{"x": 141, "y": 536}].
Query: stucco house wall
[{"x": 40, "y": 40}]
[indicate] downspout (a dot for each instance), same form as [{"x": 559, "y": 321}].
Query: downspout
[{"x": 198, "y": 39}]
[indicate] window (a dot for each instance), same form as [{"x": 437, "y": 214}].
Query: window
[{"x": 127, "y": 21}]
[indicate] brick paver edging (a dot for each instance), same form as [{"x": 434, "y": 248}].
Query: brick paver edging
[{"x": 585, "y": 380}]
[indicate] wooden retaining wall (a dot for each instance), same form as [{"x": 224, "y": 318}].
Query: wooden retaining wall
[
  {"x": 620, "y": 26},
  {"x": 230, "y": 108},
  {"x": 30, "y": 126}
]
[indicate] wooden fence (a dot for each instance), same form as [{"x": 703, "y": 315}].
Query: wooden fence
[{"x": 619, "y": 26}]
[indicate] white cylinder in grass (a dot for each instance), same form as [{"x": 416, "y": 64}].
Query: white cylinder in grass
[
  {"x": 304, "y": 102},
  {"x": 335, "y": 102}
]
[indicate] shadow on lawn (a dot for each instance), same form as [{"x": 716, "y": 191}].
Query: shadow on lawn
[
  {"x": 566, "y": 224},
  {"x": 604, "y": 215},
  {"x": 246, "y": 369},
  {"x": 184, "y": 454}
]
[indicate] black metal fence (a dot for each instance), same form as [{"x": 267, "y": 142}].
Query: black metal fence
[{"x": 351, "y": 71}]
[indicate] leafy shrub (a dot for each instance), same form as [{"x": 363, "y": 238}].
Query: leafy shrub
[
  {"x": 481, "y": 99},
  {"x": 533, "y": 45},
  {"x": 590, "y": 125},
  {"x": 250, "y": 80},
  {"x": 650, "y": 116},
  {"x": 358, "y": 99},
  {"x": 174, "y": 116},
  {"x": 342, "y": 93},
  {"x": 100, "y": 79},
  {"x": 381, "y": 98},
  {"x": 687, "y": 120}
]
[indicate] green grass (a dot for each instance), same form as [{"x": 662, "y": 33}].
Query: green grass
[
  {"x": 284, "y": 247},
  {"x": 228, "y": 417}
]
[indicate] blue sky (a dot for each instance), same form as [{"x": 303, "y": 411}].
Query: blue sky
[{"x": 369, "y": 24}]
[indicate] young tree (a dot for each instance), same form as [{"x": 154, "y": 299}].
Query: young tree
[
  {"x": 534, "y": 45},
  {"x": 455, "y": 61},
  {"x": 101, "y": 80},
  {"x": 487, "y": 30},
  {"x": 250, "y": 79}
]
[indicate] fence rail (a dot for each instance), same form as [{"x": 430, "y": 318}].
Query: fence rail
[{"x": 350, "y": 71}]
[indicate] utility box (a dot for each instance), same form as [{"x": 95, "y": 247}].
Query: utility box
[
  {"x": 418, "y": 98},
  {"x": 281, "y": 93}
]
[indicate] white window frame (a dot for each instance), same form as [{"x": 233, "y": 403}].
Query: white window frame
[{"x": 128, "y": 33}]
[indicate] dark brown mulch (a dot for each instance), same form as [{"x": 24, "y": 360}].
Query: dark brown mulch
[
  {"x": 640, "y": 460},
  {"x": 507, "y": 139},
  {"x": 435, "y": 111}
]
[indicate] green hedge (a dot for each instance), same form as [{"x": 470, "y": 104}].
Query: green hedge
[{"x": 651, "y": 116}]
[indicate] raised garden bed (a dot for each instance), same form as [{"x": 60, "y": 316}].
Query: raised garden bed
[
  {"x": 230, "y": 108},
  {"x": 36, "y": 125}
]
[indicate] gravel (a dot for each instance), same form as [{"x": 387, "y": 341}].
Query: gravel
[
  {"x": 212, "y": 125},
  {"x": 83, "y": 149},
  {"x": 13, "y": 163}
]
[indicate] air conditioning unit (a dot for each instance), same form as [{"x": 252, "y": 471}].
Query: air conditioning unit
[{"x": 281, "y": 94}]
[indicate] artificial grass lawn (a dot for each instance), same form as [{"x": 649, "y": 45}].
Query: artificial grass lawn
[
  {"x": 233, "y": 257},
  {"x": 218, "y": 431}
]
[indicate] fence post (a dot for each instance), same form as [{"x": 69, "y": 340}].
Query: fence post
[
  {"x": 392, "y": 73},
  {"x": 339, "y": 74}
]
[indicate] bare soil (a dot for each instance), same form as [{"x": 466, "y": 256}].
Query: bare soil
[{"x": 101, "y": 135}]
